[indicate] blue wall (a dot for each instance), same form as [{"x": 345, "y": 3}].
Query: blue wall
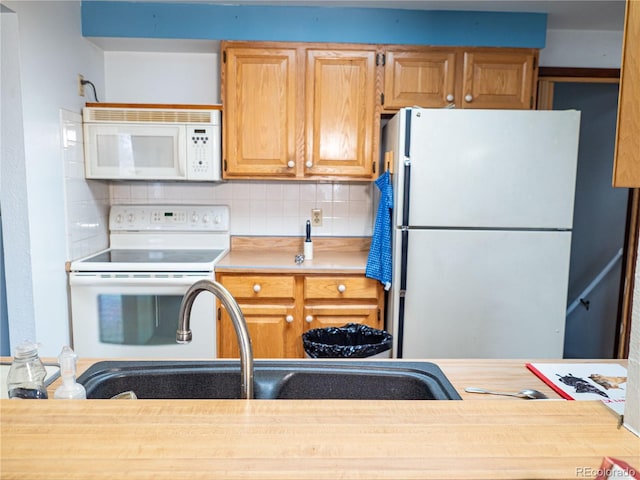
[{"x": 312, "y": 24}]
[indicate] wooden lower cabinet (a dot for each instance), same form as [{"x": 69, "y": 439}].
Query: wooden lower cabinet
[{"x": 278, "y": 309}]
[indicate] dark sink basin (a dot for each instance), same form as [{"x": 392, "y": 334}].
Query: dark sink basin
[{"x": 273, "y": 379}]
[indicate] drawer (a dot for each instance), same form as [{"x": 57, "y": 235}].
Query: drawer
[
  {"x": 259, "y": 286},
  {"x": 340, "y": 288}
]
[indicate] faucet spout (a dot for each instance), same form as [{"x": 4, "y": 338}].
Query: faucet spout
[{"x": 183, "y": 335}]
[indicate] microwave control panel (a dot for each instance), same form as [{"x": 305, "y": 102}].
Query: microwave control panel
[{"x": 202, "y": 143}]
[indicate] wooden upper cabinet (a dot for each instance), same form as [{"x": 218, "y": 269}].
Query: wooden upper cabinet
[
  {"x": 461, "y": 77},
  {"x": 259, "y": 91},
  {"x": 299, "y": 110},
  {"x": 419, "y": 77},
  {"x": 499, "y": 78},
  {"x": 626, "y": 167},
  {"x": 340, "y": 104}
]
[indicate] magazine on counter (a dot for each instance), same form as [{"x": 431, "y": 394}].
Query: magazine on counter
[{"x": 585, "y": 381}]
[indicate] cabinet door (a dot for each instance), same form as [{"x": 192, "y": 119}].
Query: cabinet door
[
  {"x": 272, "y": 330},
  {"x": 626, "y": 167},
  {"x": 424, "y": 78},
  {"x": 259, "y": 111},
  {"x": 498, "y": 79},
  {"x": 340, "y": 119}
]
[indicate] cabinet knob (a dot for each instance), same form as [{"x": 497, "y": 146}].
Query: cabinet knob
[
  {"x": 291, "y": 164},
  {"x": 309, "y": 164},
  {"x": 289, "y": 318},
  {"x": 342, "y": 288},
  {"x": 450, "y": 98},
  {"x": 308, "y": 319},
  {"x": 257, "y": 288},
  {"x": 468, "y": 98}
]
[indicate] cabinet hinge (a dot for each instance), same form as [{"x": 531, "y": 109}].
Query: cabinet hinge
[
  {"x": 219, "y": 313},
  {"x": 224, "y": 164},
  {"x": 373, "y": 167},
  {"x": 224, "y": 56},
  {"x": 531, "y": 103},
  {"x": 380, "y": 59},
  {"x": 378, "y": 316},
  {"x": 382, "y": 99}
]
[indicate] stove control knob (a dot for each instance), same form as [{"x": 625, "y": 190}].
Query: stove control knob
[
  {"x": 194, "y": 218},
  {"x": 131, "y": 218},
  {"x": 119, "y": 218},
  {"x": 205, "y": 219},
  {"x": 217, "y": 219}
]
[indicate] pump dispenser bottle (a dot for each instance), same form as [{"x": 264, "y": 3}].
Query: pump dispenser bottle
[
  {"x": 308, "y": 244},
  {"x": 69, "y": 389}
]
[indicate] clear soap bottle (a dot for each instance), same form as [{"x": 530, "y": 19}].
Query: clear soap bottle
[
  {"x": 70, "y": 389},
  {"x": 27, "y": 373}
]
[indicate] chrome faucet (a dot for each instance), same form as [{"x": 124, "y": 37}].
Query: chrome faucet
[{"x": 183, "y": 335}]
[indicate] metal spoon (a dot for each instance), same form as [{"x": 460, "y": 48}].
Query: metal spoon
[{"x": 527, "y": 393}]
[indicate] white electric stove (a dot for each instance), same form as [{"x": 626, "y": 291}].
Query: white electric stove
[{"x": 125, "y": 300}]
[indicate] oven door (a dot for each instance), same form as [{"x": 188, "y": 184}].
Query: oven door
[{"x": 135, "y": 315}]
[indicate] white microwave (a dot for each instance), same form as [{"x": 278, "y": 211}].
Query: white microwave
[{"x": 123, "y": 143}]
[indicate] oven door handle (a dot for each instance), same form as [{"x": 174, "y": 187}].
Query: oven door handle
[{"x": 169, "y": 281}]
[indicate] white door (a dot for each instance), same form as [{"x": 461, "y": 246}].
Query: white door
[
  {"x": 484, "y": 294},
  {"x": 490, "y": 168}
]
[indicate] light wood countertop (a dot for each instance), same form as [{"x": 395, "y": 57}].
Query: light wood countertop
[
  {"x": 332, "y": 255},
  {"x": 480, "y": 437}
]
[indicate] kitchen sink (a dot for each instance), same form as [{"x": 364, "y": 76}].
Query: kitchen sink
[{"x": 273, "y": 379}]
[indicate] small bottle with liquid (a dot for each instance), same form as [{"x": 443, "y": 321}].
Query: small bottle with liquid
[
  {"x": 70, "y": 389},
  {"x": 27, "y": 373}
]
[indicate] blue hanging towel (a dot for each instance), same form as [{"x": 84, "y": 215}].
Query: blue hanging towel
[{"x": 379, "y": 262}]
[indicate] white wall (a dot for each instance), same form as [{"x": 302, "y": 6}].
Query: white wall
[
  {"x": 632, "y": 401},
  {"x": 582, "y": 49},
  {"x": 162, "y": 77},
  {"x": 52, "y": 52},
  {"x": 13, "y": 194}
]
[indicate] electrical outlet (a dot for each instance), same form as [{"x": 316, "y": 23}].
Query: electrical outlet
[
  {"x": 316, "y": 217},
  {"x": 80, "y": 85}
]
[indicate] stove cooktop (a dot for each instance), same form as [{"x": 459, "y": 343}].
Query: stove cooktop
[
  {"x": 154, "y": 256},
  {"x": 149, "y": 260}
]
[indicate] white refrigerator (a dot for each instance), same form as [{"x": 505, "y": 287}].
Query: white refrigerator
[{"x": 481, "y": 231}]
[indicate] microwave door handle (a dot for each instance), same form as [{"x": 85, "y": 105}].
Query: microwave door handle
[
  {"x": 183, "y": 147},
  {"x": 96, "y": 280}
]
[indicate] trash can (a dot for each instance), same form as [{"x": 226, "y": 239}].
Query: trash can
[{"x": 349, "y": 341}]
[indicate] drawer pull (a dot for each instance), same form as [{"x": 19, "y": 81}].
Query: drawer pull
[
  {"x": 308, "y": 319},
  {"x": 289, "y": 318},
  {"x": 342, "y": 288},
  {"x": 468, "y": 98},
  {"x": 257, "y": 288},
  {"x": 291, "y": 164}
]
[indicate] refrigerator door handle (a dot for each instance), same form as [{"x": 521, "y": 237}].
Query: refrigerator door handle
[{"x": 403, "y": 288}]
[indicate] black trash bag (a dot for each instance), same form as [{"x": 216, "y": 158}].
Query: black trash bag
[{"x": 350, "y": 341}]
